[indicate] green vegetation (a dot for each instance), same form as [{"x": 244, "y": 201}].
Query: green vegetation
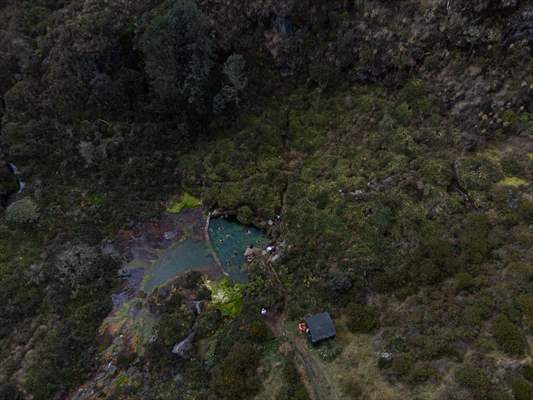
[
  {"x": 362, "y": 319},
  {"x": 511, "y": 340},
  {"x": 294, "y": 389},
  {"x": 178, "y": 53},
  {"x": 384, "y": 147},
  {"x": 521, "y": 389},
  {"x": 474, "y": 379},
  {"x": 22, "y": 211},
  {"x": 235, "y": 83},
  {"x": 227, "y": 296},
  {"x": 186, "y": 201}
]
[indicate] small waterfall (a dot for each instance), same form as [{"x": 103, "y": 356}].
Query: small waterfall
[{"x": 16, "y": 172}]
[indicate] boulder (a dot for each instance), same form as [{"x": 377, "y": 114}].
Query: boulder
[{"x": 183, "y": 349}]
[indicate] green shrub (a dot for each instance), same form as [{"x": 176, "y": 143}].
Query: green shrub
[
  {"x": 526, "y": 209},
  {"x": 527, "y": 372},
  {"x": 295, "y": 389},
  {"x": 22, "y": 211},
  {"x": 403, "y": 113},
  {"x": 41, "y": 383},
  {"x": 437, "y": 172},
  {"x": 362, "y": 318},
  {"x": 521, "y": 389},
  {"x": 474, "y": 379},
  {"x": 186, "y": 201},
  {"x": 508, "y": 336},
  {"x": 525, "y": 305},
  {"x": 464, "y": 281},
  {"x": 499, "y": 394},
  {"x": 245, "y": 215},
  {"x": 474, "y": 244},
  {"x": 330, "y": 350},
  {"x": 235, "y": 377},
  {"x": 478, "y": 173},
  {"x": 227, "y": 296},
  {"x": 402, "y": 365}
]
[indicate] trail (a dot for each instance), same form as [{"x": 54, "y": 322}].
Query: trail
[{"x": 318, "y": 383}]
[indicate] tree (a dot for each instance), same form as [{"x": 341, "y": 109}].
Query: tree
[
  {"x": 235, "y": 79},
  {"x": 177, "y": 54}
]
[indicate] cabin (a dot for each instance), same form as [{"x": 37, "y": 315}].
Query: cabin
[{"x": 320, "y": 328}]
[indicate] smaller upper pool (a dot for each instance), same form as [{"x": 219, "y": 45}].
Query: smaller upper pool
[{"x": 230, "y": 240}]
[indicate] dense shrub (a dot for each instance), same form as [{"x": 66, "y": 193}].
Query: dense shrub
[
  {"x": 464, "y": 281},
  {"x": 478, "y": 173},
  {"x": 329, "y": 350},
  {"x": 362, "y": 318},
  {"x": 499, "y": 394},
  {"x": 511, "y": 340},
  {"x": 22, "y": 211},
  {"x": 402, "y": 365},
  {"x": 295, "y": 389},
  {"x": 41, "y": 382},
  {"x": 245, "y": 215},
  {"x": 474, "y": 379},
  {"x": 527, "y": 372},
  {"x": 521, "y": 389},
  {"x": 235, "y": 378}
]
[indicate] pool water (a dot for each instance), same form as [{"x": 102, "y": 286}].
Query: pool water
[
  {"x": 230, "y": 240},
  {"x": 188, "y": 255}
]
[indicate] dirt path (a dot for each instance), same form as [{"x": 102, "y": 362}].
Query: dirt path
[{"x": 318, "y": 383}]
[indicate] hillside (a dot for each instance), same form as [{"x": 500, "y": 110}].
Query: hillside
[{"x": 384, "y": 147}]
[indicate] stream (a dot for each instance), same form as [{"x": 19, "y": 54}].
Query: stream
[{"x": 20, "y": 180}]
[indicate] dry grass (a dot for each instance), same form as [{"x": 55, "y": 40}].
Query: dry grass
[{"x": 358, "y": 362}]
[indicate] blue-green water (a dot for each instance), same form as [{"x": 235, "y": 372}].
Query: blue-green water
[
  {"x": 184, "y": 256},
  {"x": 230, "y": 240}
]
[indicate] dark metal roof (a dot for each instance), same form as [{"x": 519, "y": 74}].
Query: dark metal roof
[{"x": 320, "y": 327}]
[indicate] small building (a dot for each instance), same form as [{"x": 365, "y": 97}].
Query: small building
[{"x": 320, "y": 327}]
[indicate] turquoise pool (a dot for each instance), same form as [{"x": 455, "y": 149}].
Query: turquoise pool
[{"x": 230, "y": 240}]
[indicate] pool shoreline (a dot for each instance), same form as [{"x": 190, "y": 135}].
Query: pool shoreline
[{"x": 211, "y": 247}]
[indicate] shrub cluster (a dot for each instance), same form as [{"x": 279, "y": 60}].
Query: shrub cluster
[
  {"x": 362, "y": 318},
  {"x": 22, "y": 211},
  {"x": 508, "y": 336}
]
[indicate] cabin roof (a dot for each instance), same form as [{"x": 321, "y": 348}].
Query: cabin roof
[{"x": 320, "y": 327}]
